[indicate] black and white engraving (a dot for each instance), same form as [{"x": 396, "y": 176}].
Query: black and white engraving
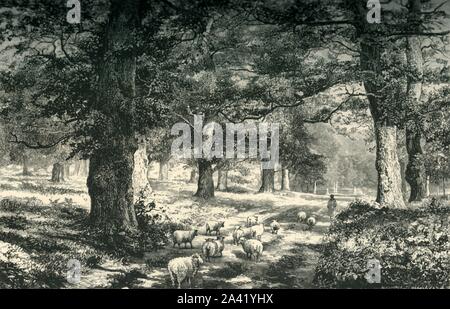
[{"x": 225, "y": 144}]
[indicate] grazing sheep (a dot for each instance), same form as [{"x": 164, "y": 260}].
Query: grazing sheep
[
  {"x": 274, "y": 227},
  {"x": 183, "y": 237},
  {"x": 240, "y": 232},
  {"x": 253, "y": 248},
  {"x": 213, "y": 247},
  {"x": 311, "y": 222},
  {"x": 183, "y": 268},
  {"x": 253, "y": 220},
  {"x": 213, "y": 226},
  {"x": 301, "y": 217},
  {"x": 258, "y": 231}
]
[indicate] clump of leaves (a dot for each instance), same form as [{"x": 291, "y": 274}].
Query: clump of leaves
[
  {"x": 411, "y": 245},
  {"x": 152, "y": 233},
  {"x": 16, "y": 222}
]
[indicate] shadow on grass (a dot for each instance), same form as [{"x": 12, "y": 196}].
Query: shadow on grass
[
  {"x": 128, "y": 279},
  {"x": 286, "y": 272},
  {"x": 245, "y": 204},
  {"x": 290, "y": 215},
  {"x": 230, "y": 270}
]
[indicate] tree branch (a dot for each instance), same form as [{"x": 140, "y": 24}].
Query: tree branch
[{"x": 38, "y": 145}]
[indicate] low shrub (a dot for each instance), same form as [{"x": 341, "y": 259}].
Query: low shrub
[
  {"x": 16, "y": 222},
  {"x": 16, "y": 204},
  {"x": 21, "y": 272},
  {"x": 412, "y": 246},
  {"x": 152, "y": 233}
]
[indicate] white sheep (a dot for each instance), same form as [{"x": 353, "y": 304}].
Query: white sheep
[
  {"x": 183, "y": 237},
  {"x": 258, "y": 230},
  {"x": 274, "y": 227},
  {"x": 214, "y": 226},
  {"x": 213, "y": 247},
  {"x": 301, "y": 216},
  {"x": 311, "y": 222},
  {"x": 253, "y": 248},
  {"x": 183, "y": 268},
  {"x": 252, "y": 220},
  {"x": 240, "y": 232}
]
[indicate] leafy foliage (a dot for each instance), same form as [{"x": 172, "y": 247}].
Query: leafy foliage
[{"x": 411, "y": 245}]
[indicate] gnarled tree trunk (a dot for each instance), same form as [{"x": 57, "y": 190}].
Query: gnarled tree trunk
[
  {"x": 285, "y": 186},
  {"x": 110, "y": 186},
  {"x": 415, "y": 170},
  {"x": 267, "y": 180},
  {"x": 388, "y": 167},
  {"x": 111, "y": 165},
  {"x": 389, "y": 189},
  {"x": 205, "y": 184}
]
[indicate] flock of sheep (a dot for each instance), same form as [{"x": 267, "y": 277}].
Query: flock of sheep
[{"x": 249, "y": 237}]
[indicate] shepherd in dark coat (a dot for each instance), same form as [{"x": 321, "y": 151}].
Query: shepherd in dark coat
[{"x": 332, "y": 204}]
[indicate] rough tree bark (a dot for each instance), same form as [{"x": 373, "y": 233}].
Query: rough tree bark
[
  {"x": 110, "y": 187},
  {"x": 389, "y": 178},
  {"x": 389, "y": 189},
  {"x": 415, "y": 169},
  {"x": 222, "y": 180},
  {"x": 110, "y": 179},
  {"x": 205, "y": 184},
  {"x": 267, "y": 180},
  {"x": 285, "y": 185}
]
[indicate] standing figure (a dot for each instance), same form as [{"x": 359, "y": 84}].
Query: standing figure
[{"x": 332, "y": 204}]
